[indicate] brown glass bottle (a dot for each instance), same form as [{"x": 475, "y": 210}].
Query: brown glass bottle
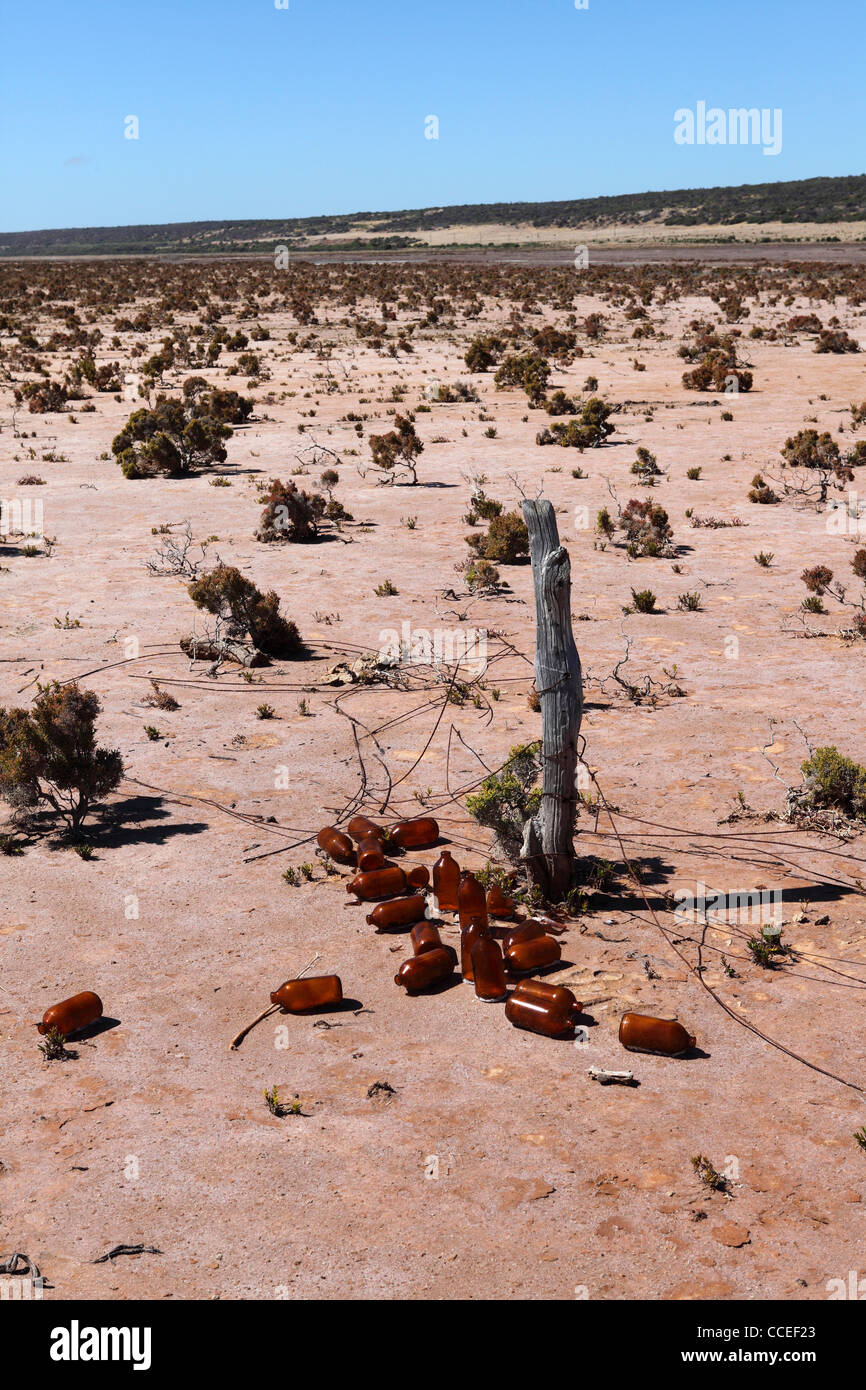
[
  {"x": 488, "y": 969},
  {"x": 416, "y": 834},
  {"x": 370, "y": 854},
  {"x": 446, "y": 880},
  {"x": 72, "y": 1014},
  {"x": 497, "y": 903},
  {"x": 539, "y": 1015},
  {"x": 315, "y": 992},
  {"x": 641, "y": 1033},
  {"x": 558, "y": 996},
  {"x": 420, "y": 972},
  {"x": 532, "y": 955},
  {"x": 476, "y": 927},
  {"x": 471, "y": 899},
  {"x": 398, "y": 913},
  {"x": 378, "y": 883},
  {"x": 425, "y": 937},
  {"x": 419, "y": 877},
  {"x": 527, "y": 931},
  {"x": 360, "y": 828},
  {"x": 335, "y": 844}
]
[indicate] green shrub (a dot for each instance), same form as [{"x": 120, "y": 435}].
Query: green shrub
[
  {"x": 176, "y": 436},
  {"x": 554, "y": 342},
  {"x": 394, "y": 454},
  {"x": 761, "y": 492},
  {"x": 506, "y": 541},
  {"x": 482, "y": 577},
  {"x": 587, "y": 430},
  {"x": 809, "y": 449},
  {"x": 835, "y": 781},
  {"x": 290, "y": 514},
  {"x": 817, "y": 579},
  {"x": 645, "y": 466},
  {"x": 42, "y": 397},
  {"x": 643, "y": 600},
  {"x": 233, "y": 598},
  {"x": 483, "y": 352},
  {"x": 49, "y": 755},
  {"x": 507, "y": 799},
  {"x": 531, "y": 371},
  {"x": 830, "y": 340},
  {"x": 561, "y": 404},
  {"x": 604, "y": 524},
  {"x": 647, "y": 528},
  {"x": 718, "y": 370},
  {"x": 486, "y": 507}
]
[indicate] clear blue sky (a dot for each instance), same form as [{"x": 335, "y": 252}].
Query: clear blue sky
[{"x": 250, "y": 111}]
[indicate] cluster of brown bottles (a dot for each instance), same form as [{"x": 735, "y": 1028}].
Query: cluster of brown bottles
[
  {"x": 368, "y": 850},
  {"x": 482, "y": 961},
  {"x": 376, "y": 879},
  {"x": 71, "y": 1015},
  {"x": 551, "y": 1010}
]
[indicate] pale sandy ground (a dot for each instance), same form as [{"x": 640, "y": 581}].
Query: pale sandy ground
[
  {"x": 653, "y": 232},
  {"x": 548, "y": 1186}
]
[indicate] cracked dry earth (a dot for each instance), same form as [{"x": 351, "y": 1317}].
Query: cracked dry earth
[{"x": 494, "y": 1168}]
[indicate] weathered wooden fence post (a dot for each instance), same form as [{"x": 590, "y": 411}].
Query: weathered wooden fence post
[{"x": 548, "y": 849}]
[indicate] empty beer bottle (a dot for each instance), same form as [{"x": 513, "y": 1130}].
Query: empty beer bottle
[
  {"x": 540, "y": 1015},
  {"x": 425, "y": 937},
  {"x": 488, "y": 970},
  {"x": 446, "y": 880},
  {"x": 360, "y": 828},
  {"x": 335, "y": 844},
  {"x": 532, "y": 955},
  {"x": 527, "y": 931},
  {"x": 557, "y": 996},
  {"x": 419, "y": 877},
  {"x": 497, "y": 903},
  {"x": 73, "y": 1014},
  {"x": 378, "y": 883},
  {"x": 641, "y": 1033},
  {"x": 370, "y": 854},
  {"x": 420, "y": 972},
  {"x": 471, "y": 899},
  {"x": 398, "y": 913},
  {"x": 316, "y": 992},
  {"x": 416, "y": 834},
  {"x": 476, "y": 927}
]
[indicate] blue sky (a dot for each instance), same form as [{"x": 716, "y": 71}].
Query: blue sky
[{"x": 246, "y": 110}]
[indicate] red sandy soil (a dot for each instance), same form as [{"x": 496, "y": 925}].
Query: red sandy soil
[
  {"x": 603, "y": 253},
  {"x": 549, "y": 1185}
]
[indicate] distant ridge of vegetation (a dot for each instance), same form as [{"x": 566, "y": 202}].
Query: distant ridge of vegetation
[{"x": 804, "y": 200}]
